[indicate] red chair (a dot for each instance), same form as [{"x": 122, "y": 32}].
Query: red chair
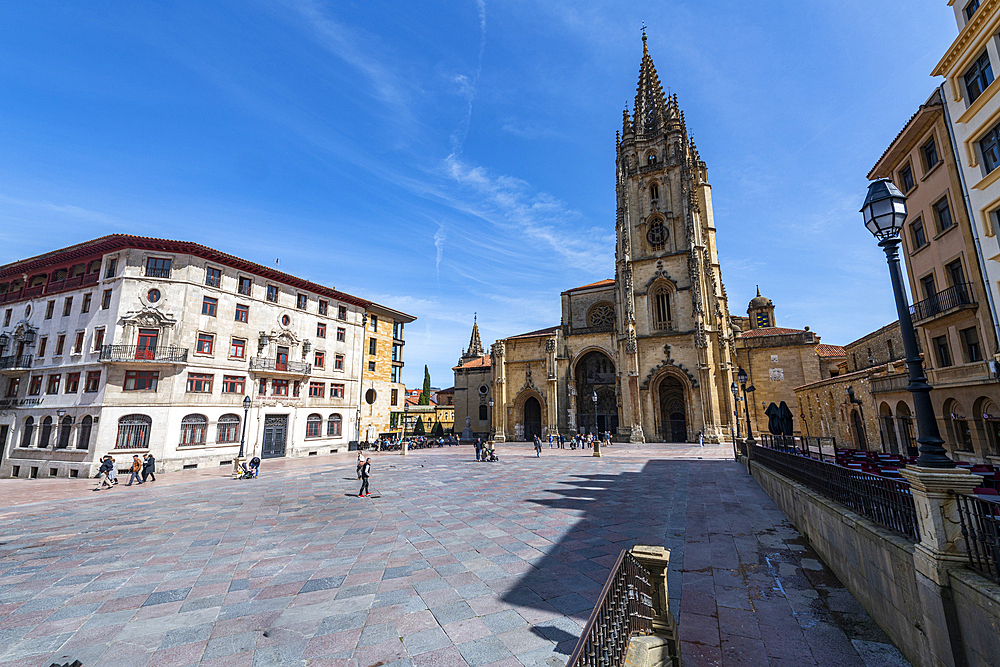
[{"x": 983, "y": 491}]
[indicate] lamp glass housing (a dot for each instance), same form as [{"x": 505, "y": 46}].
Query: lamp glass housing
[
  {"x": 742, "y": 376},
  {"x": 246, "y": 402},
  {"x": 884, "y": 210}
]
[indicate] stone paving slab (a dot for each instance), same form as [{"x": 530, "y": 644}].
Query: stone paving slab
[{"x": 459, "y": 563}]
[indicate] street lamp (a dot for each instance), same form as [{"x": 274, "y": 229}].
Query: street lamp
[
  {"x": 741, "y": 375},
  {"x": 884, "y": 212},
  {"x": 490, "y": 403},
  {"x": 736, "y": 406},
  {"x": 597, "y": 440},
  {"x": 246, "y": 414}
]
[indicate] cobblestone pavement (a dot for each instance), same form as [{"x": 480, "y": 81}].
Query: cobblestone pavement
[{"x": 457, "y": 563}]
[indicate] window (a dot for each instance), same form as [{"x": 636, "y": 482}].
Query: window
[
  {"x": 237, "y": 348},
  {"x": 29, "y": 429},
  {"x": 323, "y": 306},
  {"x": 106, "y": 300},
  {"x": 657, "y": 234},
  {"x": 60, "y": 344},
  {"x": 50, "y": 308},
  {"x": 892, "y": 351},
  {"x": 157, "y": 268},
  {"x": 301, "y": 300},
  {"x": 374, "y": 322},
  {"x": 272, "y": 293},
  {"x": 141, "y": 380},
  {"x": 78, "y": 342},
  {"x": 233, "y": 384},
  {"x": 285, "y": 320},
  {"x": 397, "y": 330},
  {"x": 193, "y": 429},
  {"x": 341, "y": 334},
  {"x": 199, "y": 383},
  {"x": 338, "y": 362},
  {"x": 13, "y": 384},
  {"x": 372, "y": 346},
  {"x": 371, "y": 366},
  {"x": 654, "y": 192},
  {"x": 35, "y": 387},
  {"x": 279, "y": 387},
  {"x": 319, "y": 358},
  {"x": 483, "y": 415},
  {"x": 83, "y": 437},
  {"x": 242, "y": 313},
  {"x": 394, "y": 374},
  {"x": 262, "y": 387},
  {"x": 394, "y": 396},
  {"x": 342, "y": 312},
  {"x": 314, "y": 424},
  {"x": 321, "y": 330},
  {"x": 978, "y": 77},
  {"x": 72, "y": 383},
  {"x": 397, "y": 352},
  {"x": 209, "y": 306},
  {"x": 651, "y": 159},
  {"x": 927, "y": 283},
  {"x": 93, "y": 381},
  {"x": 970, "y": 341},
  {"x": 317, "y": 390},
  {"x": 98, "y": 339},
  {"x": 206, "y": 342},
  {"x": 336, "y": 390},
  {"x": 46, "y": 433},
  {"x": 334, "y": 426},
  {"x": 213, "y": 277},
  {"x": 245, "y": 286},
  {"x": 930, "y": 155},
  {"x": 42, "y": 342},
  {"x": 229, "y": 429},
  {"x": 917, "y": 230},
  {"x": 296, "y": 388},
  {"x": 955, "y": 273},
  {"x": 661, "y": 308},
  {"x": 942, "y": 351},
  {"x": 6, "y": 317},
  {"x": 133, "y": 432},
  {"x": 942, "y": 212},
  {"x": 53, "y": 386},
  {"x": 112, "y": 268},
  {"x": 970, "y": 9},
  {"x": 906, "y": 178},
  {"x": 87, "y": 299}
]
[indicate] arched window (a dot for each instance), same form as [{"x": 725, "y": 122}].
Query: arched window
[
  {"x": 65, "y": 429},
  {"x": 133, "y": 432},
  {"x": 651, "y": 159},
  {"x": 46, "y": 433},
  {"x": 334, "y": 426},
  {"x": 657, "y": 234},
  {"x": 662, "y": 315},
  {"x": 314, "y": 426},
  {"x": 483, "y": 413},
  {"x": 601, "y": 316},
  {"x": 83, "y": 437},
  {"x": 958, "y": 425},
  {"x": 654, "y": 192},
  {"x": 193, "y": 428},
  {"x": 29, "y": 431},
  {"x": 229, "y": 429},
  {"x": 989, "y": 422}
]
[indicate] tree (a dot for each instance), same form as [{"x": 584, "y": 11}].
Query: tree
[
  {"x": 438, "y": 430},
  {"x": 419, "y": 428},
  {"x": 425, "y": 393}
]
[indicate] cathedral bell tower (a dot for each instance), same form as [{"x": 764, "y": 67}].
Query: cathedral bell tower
[{"x": 673, "y": 314}]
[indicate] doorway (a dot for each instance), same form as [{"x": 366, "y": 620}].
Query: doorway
[
  {"x": 532, "y": 418},
  {"x": 281, "y": 360},
  {"x": 146, "y": 348},
  {"x": 596, "y": 377},
  {"x": 673, "y": 414},
  {"x": 4, "y": 430},
  {"x": 275, "y": 435}
]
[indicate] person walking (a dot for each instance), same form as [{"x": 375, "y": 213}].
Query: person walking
[
  {"x": 361, "y": 463},
  {"x": 148, "y": 467},
  {"x": 479, "y": 448},
  {"x": 136, "y": 469},
  {"x": 366, "y": 470},
  {"x": 538, "y": 448},
  {"x": 104, "y": 472},
  {"x": 550, "y": 441},
  {"x": 701, "y": 438},
  {"x": 113, "y": 473}
]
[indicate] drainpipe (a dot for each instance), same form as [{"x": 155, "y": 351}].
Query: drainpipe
[{"x": 980, "y": 261}]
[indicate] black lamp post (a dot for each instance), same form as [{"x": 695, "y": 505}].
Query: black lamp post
[
  {"x": 490, "y": 403},
  {"x": 406, "y": 410},
  {"x": 741, "y": 375},
  {"x": 884, "y": 212},
  {"x": 597, "y": 434},
  {"x": 246, "y": 413},
  {"x": 736, "y": 406}
]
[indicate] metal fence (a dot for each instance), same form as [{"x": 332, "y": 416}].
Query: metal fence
[
  {"x": 981, "y": 529},
  {"x": 812, "y": 446},
  {"x": 885, "y": 501},
  {"x": 961, "y": 294},
  {"x": 132, "y": 353},
  {"x": 624, "y": 609}
]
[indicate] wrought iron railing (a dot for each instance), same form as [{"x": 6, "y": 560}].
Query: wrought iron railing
[
  {"x": 953, "y": 297},
  {"x": 890, "y": 384},
  {"x": 128, "y": 353},
  {"x": 273, "y": 364},
  {"x": 152, "y": 272},
  {"x": 883, "y": 500},
  {"x": 15, "y": 361},
  {"x": 816, "y": 447},
  {"x": 981, "y": 529},
  {"x": 624, "y": 609}
]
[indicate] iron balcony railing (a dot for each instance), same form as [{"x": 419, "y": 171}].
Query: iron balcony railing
[
  {"x": 812, "y": 446},
  {"x": 160, "y": 354},
  {"x": 624, "y": 609},
  {"x": 15, "y": 361},
  {"x": 953, "y": 297},
  {"x": 157, "y": 273},
  {"x": 980, "y": 519},
  {"x": 890, "y": 384},
  {"x": 273, "y": 364},
  {"x": 883, "y": 500}
]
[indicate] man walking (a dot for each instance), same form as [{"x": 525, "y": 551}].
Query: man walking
[
  {"x": 538, "y": 448},
  {"x": 479, "y": 448},
  {"x": 148, "y": 467},
  {"x": 105, "y": 474},
  {"x": 366, "y": 470},
  {"x": 135, "y": 470}
]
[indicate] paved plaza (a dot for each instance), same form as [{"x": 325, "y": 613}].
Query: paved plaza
[{"x": 456, "y": 563}]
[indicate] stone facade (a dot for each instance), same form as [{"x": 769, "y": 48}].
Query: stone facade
[{"x": 473, "y": 389}]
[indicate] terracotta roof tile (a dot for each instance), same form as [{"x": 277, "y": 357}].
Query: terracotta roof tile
[
  {"x": 478, "y": 362},
  {"x": 825, "y": 350},
  {"x": 599, "y": 283},
  {"x": 769, "y": 331}
]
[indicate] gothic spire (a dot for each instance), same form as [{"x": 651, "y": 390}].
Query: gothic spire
[
  {"x": 650, "y": 105},
  {"x": 475, "y": 345}
]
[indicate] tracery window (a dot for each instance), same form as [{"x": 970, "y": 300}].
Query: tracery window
[
  {"x": 657, "y": 234},
  {"x": 601, "y": 316},
  {"x": 662, "y": 315}
]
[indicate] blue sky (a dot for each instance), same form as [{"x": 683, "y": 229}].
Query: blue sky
[{"x": 446, "y": 158}]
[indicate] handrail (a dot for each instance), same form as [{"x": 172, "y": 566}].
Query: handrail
[
  {"x": 272, "y": 364},
  {"x": 952, "y": 297},
  {"x": 15, "y": 361},
  {"x": 980, "y": 517},
  {"x": 133, "y": 353}
]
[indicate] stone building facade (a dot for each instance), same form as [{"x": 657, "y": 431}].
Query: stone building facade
[
  {"x": 473, "y": 389},
  {"x": 131, "y": 345},
  {"x": 652, "y": 346}
]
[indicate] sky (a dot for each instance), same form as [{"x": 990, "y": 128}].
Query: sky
[{"x": 452, "y": 158}]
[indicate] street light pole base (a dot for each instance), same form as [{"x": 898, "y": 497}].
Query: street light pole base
[
  {"x": 597, "y": 449},
  {"x": 237, "y": 471}
]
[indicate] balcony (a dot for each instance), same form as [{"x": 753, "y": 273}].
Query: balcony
[
  {"x": 890, "y": 384},
  {"x": 15, "y": 363},
  {"x": 945, "y": 302},
  {"x": 131, "y": 354},
  {"x": 274, "y": 366},
  {"x": 152, "y": 272}
]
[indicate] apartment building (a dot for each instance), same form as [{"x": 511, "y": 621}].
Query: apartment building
[{"x": 128, "y": 345}]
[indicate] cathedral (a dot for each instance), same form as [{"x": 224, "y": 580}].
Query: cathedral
[{"x": 646, "y": 355}]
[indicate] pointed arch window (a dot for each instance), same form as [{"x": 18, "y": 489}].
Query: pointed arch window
[
  {"x": 662, "y": 313},
  {"x": 654, "y": 193},
  {"x": 651, "y": 159},
  {"x": 83, "y": 437},
  {"x": 29, "y": 431}
]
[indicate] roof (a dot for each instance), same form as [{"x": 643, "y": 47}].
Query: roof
[
  {"x": 768, "y": 331},
  {"x": 600, "y": 283},
  {"x": 114, "y": 242},
  {"x": 415, "y": 400},
  {"x": 824, "y": 350},
  {"x": 478, "y": 362},
  {"x": 449, "y": 390},
  {"x": 540, "y": 332},
  {"x": 925, "y": 112}
]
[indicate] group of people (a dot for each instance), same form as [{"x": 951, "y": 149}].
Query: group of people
[
  {"x": 485, "y": 451},
  {"x": 581, "y": 441},
  {"x": 141, "y": 470}
]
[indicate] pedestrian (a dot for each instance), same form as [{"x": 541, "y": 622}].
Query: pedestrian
[
  {"x": 255, "y": 466},
  {"x": 136, "y": 469},
  {"x": 104, "y": 472},
  {"x": 361, "y": 462},
  {"x": 550, "y": 441},
  {"x": 562, "y": 441},
  {"x": 538, "y": 448},
  {"x": 113, "y": 473},
  {"x": 366, "y": 470},
  {"x": 479, "y": 448},
  {"x": 148, "y": 467},
  {"x": 701, "y": 438}
]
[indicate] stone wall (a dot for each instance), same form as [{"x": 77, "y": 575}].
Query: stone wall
[
  {"x": 880, "y": 346},
  {"x": 977, "y": 606}
]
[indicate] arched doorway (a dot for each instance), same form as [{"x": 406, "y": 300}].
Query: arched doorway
[
  {"x": 595, "y": 375},
  {"x": 888, "y": 428},
  {"x": 905, "y": 420},
  {"x": 858, "y": 431},
  {"x": 532, "y": 418},
  {"x": 673, "y": 413}
]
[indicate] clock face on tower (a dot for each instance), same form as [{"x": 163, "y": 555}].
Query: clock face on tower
[{"x": 657, "y": 234}]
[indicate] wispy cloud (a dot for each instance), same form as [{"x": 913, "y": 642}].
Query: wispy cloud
[{"x": 439, "y": 237}]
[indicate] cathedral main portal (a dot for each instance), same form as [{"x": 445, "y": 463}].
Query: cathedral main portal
[
  {"x": 595, "y": 376},
  {"x": 673, "y": 415}
]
